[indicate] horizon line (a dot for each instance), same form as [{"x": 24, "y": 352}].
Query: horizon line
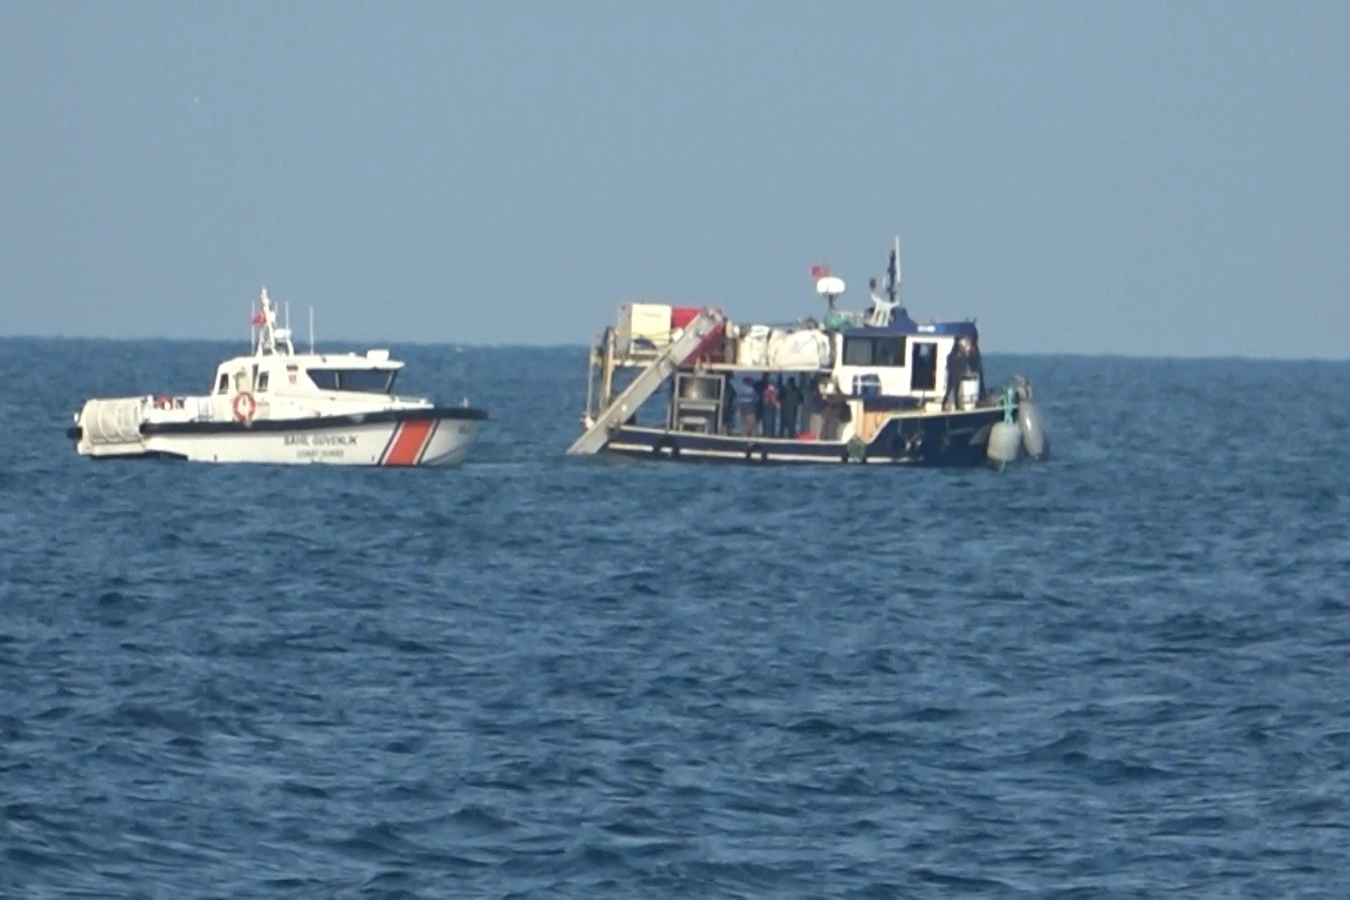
[{"x": 583, "y": 347}]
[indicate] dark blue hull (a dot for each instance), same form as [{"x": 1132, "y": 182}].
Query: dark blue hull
[{"x": 942, "y": 440}]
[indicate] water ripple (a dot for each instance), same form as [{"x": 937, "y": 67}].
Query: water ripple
[{"x": 1121, "y": 674}]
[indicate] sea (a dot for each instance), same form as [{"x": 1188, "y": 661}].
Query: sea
[{"x": 1123, "y": 671}]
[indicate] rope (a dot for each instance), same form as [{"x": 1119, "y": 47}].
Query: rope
[{"x": 1008, "y": 394}]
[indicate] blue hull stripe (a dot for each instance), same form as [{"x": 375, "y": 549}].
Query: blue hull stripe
[{"x": 950, "y": 440}]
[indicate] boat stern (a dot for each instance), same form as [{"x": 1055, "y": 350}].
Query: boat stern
[{"x": 109, "y": 427}]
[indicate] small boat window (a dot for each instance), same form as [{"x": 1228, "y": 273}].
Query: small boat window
[
  {"x": 888, "y": 352},
  {"x": 262, "y": 381},
  {"x": 324, "y": 379},
  {"x": 857, "y": 352},
  {"x": 370, "y": 381},
  {"x": 223, "y": 386}
]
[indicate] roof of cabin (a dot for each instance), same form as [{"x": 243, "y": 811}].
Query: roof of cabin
[{"x": 901, "y": 324}]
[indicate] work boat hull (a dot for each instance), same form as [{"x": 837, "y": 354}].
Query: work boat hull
[
  {"x": 957, "y": 439},
  {"x": 437, "y": 436}
]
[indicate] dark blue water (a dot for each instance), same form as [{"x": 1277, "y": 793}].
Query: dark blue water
[{"x": 1124, "y": 673}]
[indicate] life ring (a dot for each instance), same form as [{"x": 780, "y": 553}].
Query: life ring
[{"x": 244, "y": 406}]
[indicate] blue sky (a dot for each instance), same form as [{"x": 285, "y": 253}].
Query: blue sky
[{"x": 1139, "y": 178}]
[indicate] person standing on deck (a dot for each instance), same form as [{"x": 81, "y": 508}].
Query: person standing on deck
[
  {"x": 792, "y": 401},
  {"x": 729, "y": 406},
  {"x": 746, "y": 402},
  {"x": 812, "y": 407},
  {"x": 759, "y": 401},
  {"x": 956, "y": 369},
  {"x": 974, "y": 365},
  {"x": 771, "y": 404}
]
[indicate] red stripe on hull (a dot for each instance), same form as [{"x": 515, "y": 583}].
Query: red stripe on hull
[
  {"x": 408, "y": 441},
  {"x": 426, "y": 444}
]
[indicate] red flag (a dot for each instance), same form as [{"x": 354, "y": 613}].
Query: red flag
[
  {"x": 259, "y": 318},
  {"x": 820, "y": 271}
]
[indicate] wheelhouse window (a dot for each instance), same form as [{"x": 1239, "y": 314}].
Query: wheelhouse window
[
  {"x": 885, "y": 351},
  {"x": 370, "y": 381},
  {"x": 263, "y": 378},
  {"x": 223, "y": 385}
]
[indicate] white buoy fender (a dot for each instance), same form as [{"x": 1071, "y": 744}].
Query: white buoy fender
[
  {"x": 1004, "y": 442},
  {"x": 1035, "y": 436}
]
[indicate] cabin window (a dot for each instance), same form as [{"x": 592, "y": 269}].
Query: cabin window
[
  {"x": 223, "y": 385},
  {"x": 370, "y": 381},
  {"x": 923, "y": 367},
  {"x": 887, "y": 351},
  {"x": 857, "y": 352},
  {"x": 262, "y": 381},
  {"x": 324, "y": 379}
]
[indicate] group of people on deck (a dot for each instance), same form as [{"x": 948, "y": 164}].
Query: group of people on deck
[
  {"x": 767, "y": 407},
  {"x": 786, "y": 407}
]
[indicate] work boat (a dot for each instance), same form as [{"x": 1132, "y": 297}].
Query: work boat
[
  {"x": 279, "y": 406},
  {"x": 872, "y": 387}
]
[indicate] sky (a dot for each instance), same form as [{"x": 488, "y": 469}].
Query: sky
[{"x": 1138, "y": 178}]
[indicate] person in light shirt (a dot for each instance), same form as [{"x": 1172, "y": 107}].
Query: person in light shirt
[{"x": 747, "y": 399}]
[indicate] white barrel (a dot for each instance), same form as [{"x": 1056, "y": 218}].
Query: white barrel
[
  {"x": 1004, "y": 443},
  {"x": 968, "y": 392},
  {"x": 1031, "y": 424}
]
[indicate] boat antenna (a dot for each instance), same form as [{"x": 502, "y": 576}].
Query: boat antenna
[
  {"x": 893, "y": 273},
  {"x": 883, "y": 307},
  {"x": 311, "y": 330}
]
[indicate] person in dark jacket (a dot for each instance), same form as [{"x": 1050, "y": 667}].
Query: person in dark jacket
[
  {"x": 729, "y": 407},
  {"x": 956, "y": 370},
  {"x": 792, "y": 401},
  {"x": 974, "y": 365}
]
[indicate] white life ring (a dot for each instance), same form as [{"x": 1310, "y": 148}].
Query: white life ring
[{"x": 244, "y": 406}]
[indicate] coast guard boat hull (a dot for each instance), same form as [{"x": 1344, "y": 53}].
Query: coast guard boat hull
[
  {"x": 430, "y": 437},
  {"x": 277, "y": 406}
]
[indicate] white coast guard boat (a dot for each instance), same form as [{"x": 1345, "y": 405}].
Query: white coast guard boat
[{"x": 277, "y": 406}]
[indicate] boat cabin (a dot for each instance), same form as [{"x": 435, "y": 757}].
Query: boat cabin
[
  {"x": 275, "y": 368},
  {"x": 904, "y": 361},
  {"x": 900, "y": 366},
  {"x": 845, "y": 367},
  {"x": 373, "y": 373}
]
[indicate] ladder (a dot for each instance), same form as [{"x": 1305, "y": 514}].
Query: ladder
[{"x": 594, "y": 438}]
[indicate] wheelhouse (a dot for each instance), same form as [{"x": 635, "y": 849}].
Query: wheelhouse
[{"x": 275, "y": 367}]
